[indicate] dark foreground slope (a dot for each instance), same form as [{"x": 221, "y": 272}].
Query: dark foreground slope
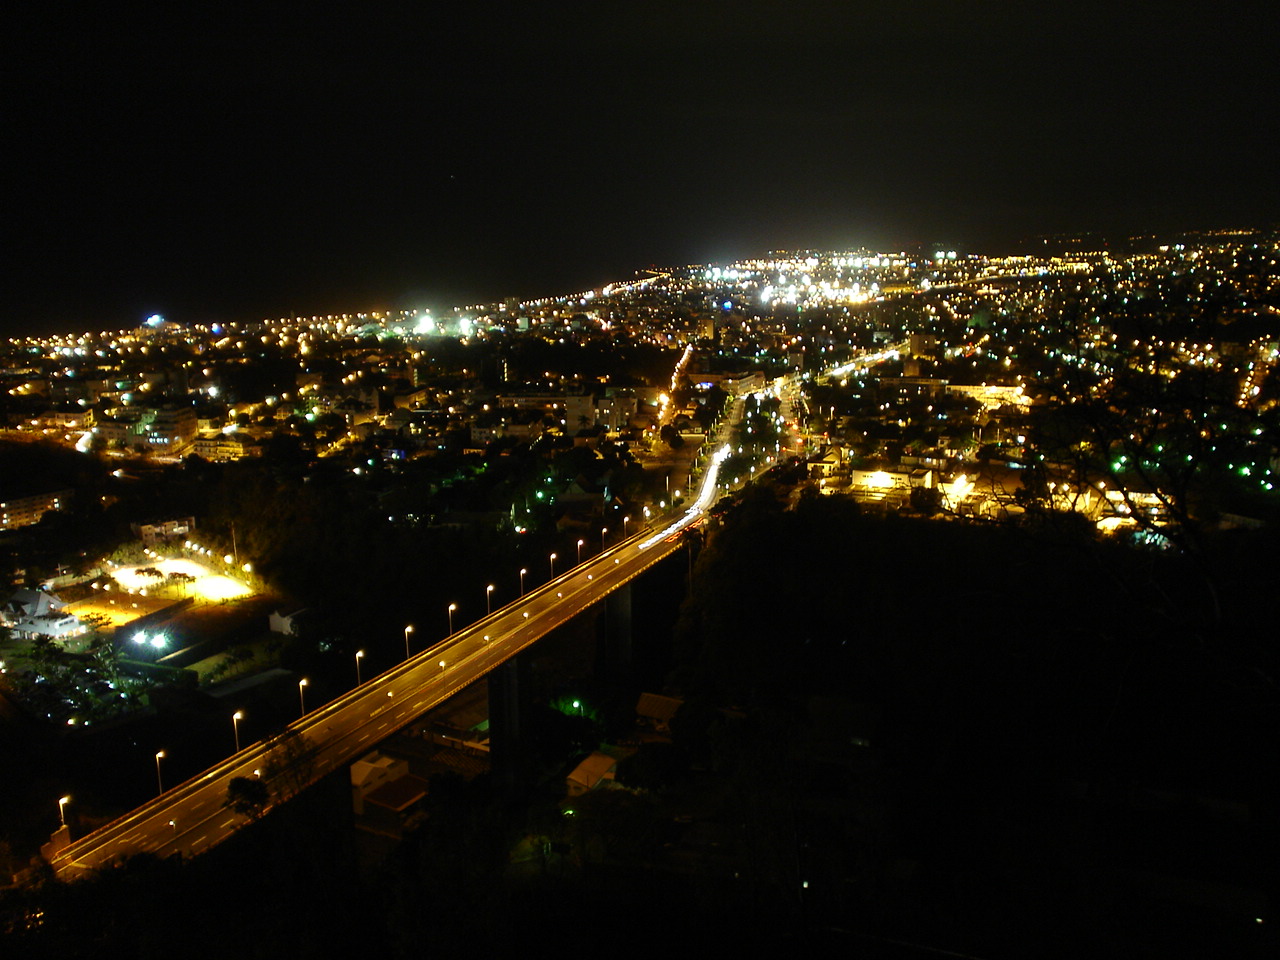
[{"x": 899, "y": 737}]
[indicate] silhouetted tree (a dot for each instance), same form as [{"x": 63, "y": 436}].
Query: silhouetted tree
[{"x": 247, "y": 796}]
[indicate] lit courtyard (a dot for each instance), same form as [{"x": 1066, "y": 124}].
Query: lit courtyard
[{"x": 138, "y": 595}]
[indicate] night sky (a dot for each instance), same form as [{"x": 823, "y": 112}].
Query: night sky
[{"x": 235, "y": 166}]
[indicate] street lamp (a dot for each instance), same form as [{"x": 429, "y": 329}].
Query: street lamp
[
  {"x": 579, "y": 551},
  {"x": 407, "y": 630},
  {"x": 302, "y": 696},
  {"x": 488, "y": 599},
  {"x": 235, "y": 725},
  {"x": 553, "y": 565},
  {"x": 62, "y": 809},
  {"x": 452, "y": 607},
  {"x": 442, "y": 668},
  {"x": 625, "y": 521},
  {"x": 603, "y": 532},
  {"x": 359, "y": 657},
  {"x": 159, "y": 782},
  {"x": 523, "y": 571}
]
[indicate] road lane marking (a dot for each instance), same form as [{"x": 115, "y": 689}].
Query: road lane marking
[{"x": 477, "y": 660}]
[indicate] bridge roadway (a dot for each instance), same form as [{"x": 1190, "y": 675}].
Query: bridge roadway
[{"x": 190, "y": 818}]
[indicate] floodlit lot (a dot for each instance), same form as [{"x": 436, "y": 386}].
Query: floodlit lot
[
  {"x": 139, "y": 595},
  {"x": 118, "y": 608},
  {"x": 207, "y": 586}
]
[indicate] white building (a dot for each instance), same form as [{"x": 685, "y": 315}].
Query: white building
[{"x": 33, "y": 613}]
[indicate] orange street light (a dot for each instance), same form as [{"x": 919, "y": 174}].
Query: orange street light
[
  {"x": 235, "y": 725},
  {"x": 302, "y": 696},
  {"x": 407, "y": 630},
  {"x": 359, "y": 657},
  {"x": 159, "y": 781}
]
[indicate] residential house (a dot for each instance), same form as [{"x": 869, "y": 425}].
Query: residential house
[
  {"x": 656, "y": 711},
  {"x": 33, "y": 613},
  {"x": 25, "y": 511},
  {"x": 591, "y": 773}
]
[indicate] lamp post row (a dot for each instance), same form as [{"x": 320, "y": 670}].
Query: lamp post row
[{"x": 303, "y": 683}]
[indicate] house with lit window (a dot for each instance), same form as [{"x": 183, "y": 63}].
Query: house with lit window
[
  {"x": 26, "y": 511},
  {"x": 34, "y": 613},
  {"x": 172, "y": 429},
  {"x": 226, "y": 446}
]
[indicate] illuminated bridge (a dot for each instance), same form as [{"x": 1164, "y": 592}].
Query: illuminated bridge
[{"x": 191, "y": 818}]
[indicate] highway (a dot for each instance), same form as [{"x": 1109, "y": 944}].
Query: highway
[{"x": 191, "y": 817}]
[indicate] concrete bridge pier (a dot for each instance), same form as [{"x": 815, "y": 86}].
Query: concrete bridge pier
[
  {"x": 506, "y": 743},
  {"x": 615, "y": 656}
]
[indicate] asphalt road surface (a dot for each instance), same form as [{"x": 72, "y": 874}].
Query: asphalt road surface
[{"x": 191, "y": 817}]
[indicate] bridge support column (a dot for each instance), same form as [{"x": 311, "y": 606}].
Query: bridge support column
[
  {"x": 615, "y": 656},
  {"x": 506, "y": 747}
]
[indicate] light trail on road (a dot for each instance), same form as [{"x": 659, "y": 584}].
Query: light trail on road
[
  {"x": 192, "y": 817},
  {"x": 699, "y": 506}
]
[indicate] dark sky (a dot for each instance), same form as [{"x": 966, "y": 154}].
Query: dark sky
[{"x": 223, "y": 166}]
